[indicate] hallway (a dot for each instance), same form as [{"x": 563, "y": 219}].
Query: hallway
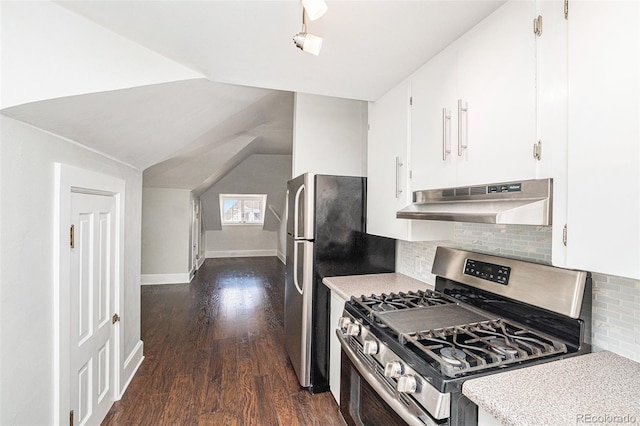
[{"x": 214, "y": 354}]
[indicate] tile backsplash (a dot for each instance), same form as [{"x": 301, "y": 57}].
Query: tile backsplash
[
  {"x": 532, "y": 243},
  {"x": 616, "y": 315},
  {"x": 616, "y": 300}
]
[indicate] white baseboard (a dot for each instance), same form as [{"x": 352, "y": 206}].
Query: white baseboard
[
  {"x": 282, "y": 257},
  {"x": 152, "y": 279},
  {"x": 131, "y": 366},
  {"x": 201, "y": 261},
  {"x": 240, "y": 253},
  {"x": 192, "y": 273}
]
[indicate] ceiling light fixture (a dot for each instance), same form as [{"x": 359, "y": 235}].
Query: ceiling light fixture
[
  {"x": 315, "y": 8},
  {"x": 309, "y": 43}
]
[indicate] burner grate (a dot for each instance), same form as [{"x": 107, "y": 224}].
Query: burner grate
[
  {"x": 399, "y": 301},
  {"x": 478, "y": 346}
]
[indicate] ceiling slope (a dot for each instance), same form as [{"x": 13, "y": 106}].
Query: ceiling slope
[
  {"x": 50, "y": 52},
  {"x": 145, "y": 125},
  {"x": 264, "y": 127}
]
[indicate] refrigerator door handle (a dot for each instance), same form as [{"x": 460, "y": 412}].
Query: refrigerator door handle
[
  {"x": 285, "y": 213},
  {"x": 307, "y": 284},
  {"x": 296, "y": 209},
  {"x": 295, "y": 265}
]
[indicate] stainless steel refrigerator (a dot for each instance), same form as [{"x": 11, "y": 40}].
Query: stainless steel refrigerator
[{"x": 326, "y": 236}]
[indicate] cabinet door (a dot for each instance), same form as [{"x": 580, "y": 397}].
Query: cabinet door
[
  {"x": 433, "y": 123},
  {"x": 497, "y": 71},
  {"x": 552, "y": 115},
  {"x": 603, "y": 217},
  {"x": 387, "y": 189}
]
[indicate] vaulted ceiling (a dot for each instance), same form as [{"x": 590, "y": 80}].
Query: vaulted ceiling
[{"x": 188, "y": 134}]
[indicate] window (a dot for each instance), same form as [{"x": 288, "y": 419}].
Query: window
[{"x": 242, "y": 209}]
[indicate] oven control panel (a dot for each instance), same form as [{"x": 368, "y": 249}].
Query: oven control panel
[{"x": 487, "y": 271}]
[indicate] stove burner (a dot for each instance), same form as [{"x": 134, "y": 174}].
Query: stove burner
[
  {"x": 502, "y": 345},
  {"x": 387, "y": 306},
  {"x": 399, "y": 301},
  {"x": 451, "y": 355},
  {"x": 477, "y": 346}
]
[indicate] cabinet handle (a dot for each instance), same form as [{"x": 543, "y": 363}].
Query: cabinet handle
[
  {"x": 462, "y": 128},
  {"x": 398, "y": 165},
  {"x": 446, "y": 136}
]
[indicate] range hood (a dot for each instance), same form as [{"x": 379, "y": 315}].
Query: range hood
[{"x": 526, "y": 202}]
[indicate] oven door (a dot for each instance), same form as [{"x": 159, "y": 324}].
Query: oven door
[{"x": 366, "y": 399}]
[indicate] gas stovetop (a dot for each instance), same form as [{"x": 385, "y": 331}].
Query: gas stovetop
[
  {"x": 486, "y": 314},
  {"x": 451, "y": 337}
]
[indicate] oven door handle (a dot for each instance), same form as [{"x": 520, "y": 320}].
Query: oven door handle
[{"x": 399, "y": 408}]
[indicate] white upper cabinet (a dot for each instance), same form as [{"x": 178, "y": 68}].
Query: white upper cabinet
[
  {"x": 434, "y": 126},
  {"x": 552, "y": 114},
  {"x": 387, "y": 162},
  {"x": 497, "y": 88},
  {"x": 474, "y": 105},
  {"x": 388, "y": 177},
  {"x": 603, "y": 213}
]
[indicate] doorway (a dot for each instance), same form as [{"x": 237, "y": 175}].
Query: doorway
[
  {"x": 88, "y": 279},
  {"x": 91, "y": 293}
]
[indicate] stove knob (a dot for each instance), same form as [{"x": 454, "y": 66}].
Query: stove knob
[
  {"x": 370, "y": 347},
  {"x": 343, "y": 322},
  {"x": 407, "y": 384},
  {"x": 393, "y": 369},
  {"x": 353, "y": 330}
]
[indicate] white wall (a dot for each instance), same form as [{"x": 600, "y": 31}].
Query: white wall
[
  {"x": 329, "y": 136},
  {"x": 239, "y": 241},
  {"x": 27, "y": 157},
  {"x": 166, "y": 235},
  {"x": 50, "y": 52}
]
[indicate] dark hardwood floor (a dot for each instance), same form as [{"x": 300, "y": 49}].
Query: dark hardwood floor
[{"x": 214, "y": 354}]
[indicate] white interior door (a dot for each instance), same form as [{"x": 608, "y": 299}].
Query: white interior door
[
  {"x": 195, "y": 232},
  {"x": 92, "y": 287}
]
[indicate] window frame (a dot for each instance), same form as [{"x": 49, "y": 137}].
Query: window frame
[{"x": 242, "y": 198}]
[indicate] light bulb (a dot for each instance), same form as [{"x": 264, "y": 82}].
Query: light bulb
[
  {"x": 309, "y": 43},
  {"x": 312, "y": 44},
  {"x": 314, "y": 8}
]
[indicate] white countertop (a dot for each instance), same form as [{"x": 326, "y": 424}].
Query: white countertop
[
  {"x": 357, "y": 285},
  {"x": 597, "y": 388}
]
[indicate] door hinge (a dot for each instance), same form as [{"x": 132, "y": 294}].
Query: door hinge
[
  {"x": 71, "y": 236},
  {"x": 564, "y": 235},
  {"x": 537, "y": 150},
  {"x": 115, "y": 318},
  {"x": 566, "y": 9},
  {"x": 537, "y": 26},
  {"x": 410, "y": 100},
  {"x": 71, "y": 418}
]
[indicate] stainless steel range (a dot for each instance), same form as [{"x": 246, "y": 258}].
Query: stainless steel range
[{"x": 405, "y": 356}]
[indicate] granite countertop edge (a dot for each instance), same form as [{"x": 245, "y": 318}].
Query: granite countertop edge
[
  {"x": 357, "y": 285},
  {"x": 576, "y": 390}
]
